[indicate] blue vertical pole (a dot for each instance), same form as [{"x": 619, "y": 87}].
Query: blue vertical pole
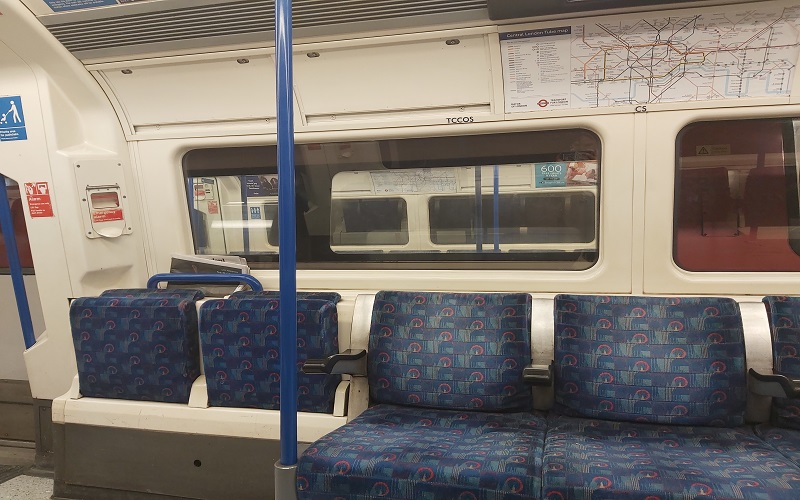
[
  {"x": 287, "y": 245},
  {"x": 496, "y": 207},
  {"x": 478, "y": 212},
  {"x": 245, "y": 215},
  {"x": 7, "y": 226}
]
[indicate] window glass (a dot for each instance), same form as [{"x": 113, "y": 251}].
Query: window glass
[
  {"x": 369, "y": 222},
  {"x": 546, "y": 218},
  {"x": 736, "y": 197},
  {"x": 399, "y": 201}
]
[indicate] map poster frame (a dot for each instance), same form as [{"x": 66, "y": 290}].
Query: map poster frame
[{"x": 637, "y": 59}]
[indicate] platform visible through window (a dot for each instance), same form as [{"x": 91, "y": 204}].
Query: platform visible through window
[{"x": 529, "y": 200}]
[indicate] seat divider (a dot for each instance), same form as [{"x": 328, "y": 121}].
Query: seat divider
[
  {"x": 542, "y": 329},
  {"x": 758, "y": 352}
]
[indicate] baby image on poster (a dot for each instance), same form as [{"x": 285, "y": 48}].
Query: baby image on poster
[{"x": 581, "y": 173}]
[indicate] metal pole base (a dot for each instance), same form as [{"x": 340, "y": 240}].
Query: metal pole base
[{"x": 285, "y": 481}]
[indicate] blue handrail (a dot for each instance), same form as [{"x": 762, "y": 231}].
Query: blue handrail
[
  {"x": 246, "y": 279},
  {"x": 496, "y": 209},
  {"x": 14, "y": 265},
  {"x": 287, "y": 257},
  {"x": 478, "y": 211},
  {"x": 245, "y": 215}
]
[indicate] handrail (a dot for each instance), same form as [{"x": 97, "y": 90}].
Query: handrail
[
  {"x": 246, "y": 279},
  {"x": 287, "y": 244},
  {"x": 7, "y": 226}
]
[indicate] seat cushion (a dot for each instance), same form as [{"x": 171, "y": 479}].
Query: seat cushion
[
  {"x": 141, "y": 348},
  {"x": 786, "y": 441},
  {"x": 784, "y": 324},
  {"x": 598, "y": 459},
  {"x": 674, "y": 360},
  {"x": 450, "y": 350},
  {"x": 240, "y": 339},
  {"x": 411, "y": 453}
]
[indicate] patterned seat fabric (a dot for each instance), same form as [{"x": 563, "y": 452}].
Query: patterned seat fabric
[
  {"x": 784, "y": 324},
  {"x": 650, "y": 359},
  {"x": 786, "y": 441},
  {"x": 412, "y": 453},
  {"x": 597, "y": 459},
  {"x": 141, "y": 348},
  {"x": 240, "y": 343},
  {"x": 274, "y": 294},
  {"x": 450, "y": 350},
  {"x": 183, "y": 293}
]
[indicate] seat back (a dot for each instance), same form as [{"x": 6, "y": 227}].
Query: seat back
[
  {"x": 240, "y": 343},
  {"x": 677, "y": 360},
  {"x": 139, "y": 348},
  {"x": 784, "y": 324},
  {"x": 450, "y": 350}
]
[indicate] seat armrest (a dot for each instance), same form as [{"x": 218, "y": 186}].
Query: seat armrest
[
  {"x": 349, "y": 362},
  {"x": 777, "y": 386},
  {"x": 540, "y": 375}
]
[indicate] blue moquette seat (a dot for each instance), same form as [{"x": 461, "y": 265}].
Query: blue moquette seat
[
  {"x": 452, "y": 415},
  {"x": 649, "y": 399},
  {"x": 240, "y": 342},
  {"x": 138, "y": 347},
  {"x": 783, "y": 433}
]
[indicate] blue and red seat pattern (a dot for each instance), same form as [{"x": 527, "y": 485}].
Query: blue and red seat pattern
[
  {"x": 240, "y": 341},
  {"x": 450, "y": 350},
  {"x": 620, "y": 359},
  {"x": 142, "y": 348},
  {"x": 602, "y": 459},
  {"x": 411, "y": 453},
  {"x": 677, "y": 360},
  {"x": 784, "y": 322},
  {"x": 444, "y": 365}
]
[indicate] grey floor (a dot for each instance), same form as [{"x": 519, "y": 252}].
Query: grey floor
[{"x": 23, "y": 486}]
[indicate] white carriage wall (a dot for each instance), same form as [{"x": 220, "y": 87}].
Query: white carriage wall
[
  {"x": 68, "y": 120},
  {"x": 365, "y": 89},
  {"x": 425, "y": 83}
]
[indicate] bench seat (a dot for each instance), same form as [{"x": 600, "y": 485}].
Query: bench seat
[
  {"x": 597, "y": 459},
  {"x": 407, "y": 452}
]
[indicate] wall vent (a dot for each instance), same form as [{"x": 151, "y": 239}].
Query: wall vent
[{"x": 106, "y": 33}]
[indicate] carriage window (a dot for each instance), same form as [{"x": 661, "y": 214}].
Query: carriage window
[
  {"x": 520, "y": 200},
  {"x": 736, "y": 197}
]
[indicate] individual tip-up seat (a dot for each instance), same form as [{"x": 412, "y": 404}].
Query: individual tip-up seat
[
  {"x": 452, "y": 414},
  {"x": 783, "y": 432},
  {"x": 137, "y": 344},
  {"x": 240, "y": 338},
  {"x": 649, "y": 400}
]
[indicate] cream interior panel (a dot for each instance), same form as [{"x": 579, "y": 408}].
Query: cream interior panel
[
  {"x": 215, "y": 90},
  {"x": 418, "y": 75}
]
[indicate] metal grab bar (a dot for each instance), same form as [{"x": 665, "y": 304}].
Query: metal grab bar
[
  {"x": 7, "y": 226},
  {"x": 246, "y": 279}
]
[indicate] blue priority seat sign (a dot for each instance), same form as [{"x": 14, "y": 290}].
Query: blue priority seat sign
[{"x": 12, "y": 119}]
